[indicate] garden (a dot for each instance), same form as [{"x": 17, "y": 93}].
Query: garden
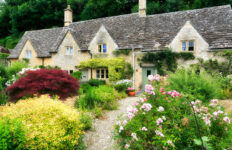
[
  {"x": 34, "y": 113},
  {"x": 179, "y": 111}
]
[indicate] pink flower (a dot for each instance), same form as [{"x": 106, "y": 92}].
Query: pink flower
[
  {"x": 159, "y": 121},
  {"x": 127, "y": 146},
  {"x": 157, "y": 77},
  {"x": 226, "y": 119},
  {"x": 125, "y": 122},
  {"x": 151, "y": 78},
  {"x": 146, "y": 107},
  {"x": 157, "y": 132},
  {"x": 144, "y": 129},
  {"x": 120, "y": 129},
  {"x": 136, "y": 103},
  {"x": 149, "y": 89},
  {"x": 206, "y": 120},
  {"x": 164, "y": 93},
  {"x": 161, "y": 90},
  {"x": 160, "y": 109}
]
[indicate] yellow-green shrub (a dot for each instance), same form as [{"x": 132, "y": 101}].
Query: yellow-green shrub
[{"x": 49, "y": 124}]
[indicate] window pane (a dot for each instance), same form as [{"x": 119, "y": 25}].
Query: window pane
[
  {"x": 99, "y": 48},
  {"x": 98, "y": 74},
  {"x": 104, "y": 48},
  {"x": 191, "y": 46},
  {"x": 71, "y": 50},
  {"x": 107, "y": 73},
  {"x": 102, "y": 73},
  {"x": 30, "y": 55},
  {"x": 67, "y": 51},
  {"x": 183, "y": 46},
  {"x": 148, "y": 72}
]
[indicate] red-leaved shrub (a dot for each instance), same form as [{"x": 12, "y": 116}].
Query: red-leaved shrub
[{"x": 44, "y": 81}]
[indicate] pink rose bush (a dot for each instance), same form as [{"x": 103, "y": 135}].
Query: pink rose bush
[{"x": 164, "y": 118}]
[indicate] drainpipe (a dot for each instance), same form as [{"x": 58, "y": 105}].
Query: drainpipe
[{"x": 133, "y": 59}]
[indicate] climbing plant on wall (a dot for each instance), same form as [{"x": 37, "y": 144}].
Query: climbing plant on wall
[
  {"x": 116, "y": 66},
  {"x": 166, "y": 59}
]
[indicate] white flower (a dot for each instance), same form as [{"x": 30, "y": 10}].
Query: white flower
[
  {"x": 159, "y": 121},
  {"x": 226, "y": 119},
  {"x": 121, "y": 128},
  {"x": 160, "y": 109},
  {"x": 144, "y": 129},
  {"x": 146, "y": 107},
  {"x": 157, "y": 132},
  {"x": 134, "y": 136},
  {"x": 127, "y": 146},
  {"x": 163, "y": 117},
  {"x": 125, "y": 122}
]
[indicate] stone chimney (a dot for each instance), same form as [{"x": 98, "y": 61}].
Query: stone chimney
[
  {"x": 68, "y": 16},
  {"x": 142, "y": 8}
]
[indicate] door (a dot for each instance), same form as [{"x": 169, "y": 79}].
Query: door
[
  {"x": 84, "y": 76},
  {"x": 146, "y": 72}
]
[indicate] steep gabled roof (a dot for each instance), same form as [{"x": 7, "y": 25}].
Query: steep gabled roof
[{"x": 214, "y": 24}]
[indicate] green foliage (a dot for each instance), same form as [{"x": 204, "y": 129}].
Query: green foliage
[
  {"x": 3, "y": 98},
  {"x": 201, "y": 85},
  {"x": 16, "y": 67},
  {"x": 122, "y": 85},
  {"x": 96, "y": 82},
  {"x": 10, "y": 41},
  {"x": 214, "y": 66},
  {"x": 48, "y": 67},
  {"x": 121, "y": 52},
  {"x": 87, "y": 120},
  {"x": 128, "y": 72},
  {"x": 85, "y": 87},
  {"x": 116, "y": 66},
  {"x": 4, "y": 55},
  {"x": 77, "y": 75},
  {"x": 102, "y": 96},
  {"x": 12, "y": 134},
  {"x": 170, "y": 120},
  {"x": 166, "y": 59},
  {"x": 4, "y": 76}
]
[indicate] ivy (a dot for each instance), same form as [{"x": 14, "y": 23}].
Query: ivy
[
  {"x": 166, "y": 59},
  {"x": 121, "y": 51},
  {"x": 116, "y": 66}
]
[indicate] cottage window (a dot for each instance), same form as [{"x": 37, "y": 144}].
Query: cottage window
[
  {"x": 102, "y": 74},
  {"x": 188, "y": 46},
  {"x": 28, "y": 54},
  {"x": 69, "y": 50},
  {"x": 102, "y": 48}
]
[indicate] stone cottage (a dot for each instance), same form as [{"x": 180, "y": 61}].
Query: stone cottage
[{"x": 199, "y": 31}]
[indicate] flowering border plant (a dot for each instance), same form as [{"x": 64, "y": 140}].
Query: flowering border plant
[{"x": 166, "y": 119}]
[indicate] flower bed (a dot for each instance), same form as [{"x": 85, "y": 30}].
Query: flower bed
[{"x": 167, "y": 119}]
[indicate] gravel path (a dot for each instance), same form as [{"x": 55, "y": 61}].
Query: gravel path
[{"x": 100, "y": 138}]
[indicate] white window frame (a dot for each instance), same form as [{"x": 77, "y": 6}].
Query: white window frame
[
  {"x": 105, "y": 74},
  {"x": 187, "y": 45},
  {"x": 68, "y": 50},
  {"x": 101, "y": 49},
  {"x": 28, "y": 53}
]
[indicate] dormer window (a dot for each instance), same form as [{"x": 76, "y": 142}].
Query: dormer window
[
  {"x": 28, "y": 54},
  {"x": 102, "y": 48},
  {"x": 188, "y": 46},
  {"x": 69, "y": 50}
]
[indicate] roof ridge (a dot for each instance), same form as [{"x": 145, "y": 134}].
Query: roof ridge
[
  {"x": 45, "y": 29},
  {"x": 192, "y": 10},
  {"x": 123, "y": 15}
]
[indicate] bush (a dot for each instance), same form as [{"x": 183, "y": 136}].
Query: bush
[
  {"x": 77, "y": 75},
  {"x": 48, "y": 67},
  {"x": 44, "y": 81},
  {"x": 96, "y": 82},
  {"x": 3, "y": 98},
  {"x": 16, "y": 67},
  {"x": 163, "y": 119},
  {"x": 12, "y": 134},
  {"x": 85, "y": 87},
  {"x": 50, "y": 124},
  {"x": 102, "y": 96},
  {"x": 200, "y": 85},
  {"x": 122, "y": 85},
  {"x": 4, "y": 76},
  {"x": 87, "y": 120}
]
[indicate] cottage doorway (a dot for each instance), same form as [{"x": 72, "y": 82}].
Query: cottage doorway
[
  {"x": 146, "y": 72},
  {"x": 84, "y": 76}
]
